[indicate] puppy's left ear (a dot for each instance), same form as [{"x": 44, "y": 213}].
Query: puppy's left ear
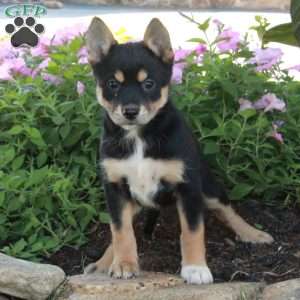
[
  {"x": 157, "y": 39},
  {"x": 99, "y": 40}
]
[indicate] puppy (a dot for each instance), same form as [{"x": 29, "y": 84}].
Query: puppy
[{"x": 149, "y": 155}]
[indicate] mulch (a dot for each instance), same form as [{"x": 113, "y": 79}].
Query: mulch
[{"x": 228, "y": 258}]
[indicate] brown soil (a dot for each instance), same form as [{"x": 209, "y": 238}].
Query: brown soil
[{"x": 229, "y": 259}]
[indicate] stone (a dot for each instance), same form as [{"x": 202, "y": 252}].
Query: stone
[
  {"x": 3, "y": 297},
  {"x": 154, "y": 286},
  {"x": 28, "y": 280},
  {"x": 285, "y": 290}
]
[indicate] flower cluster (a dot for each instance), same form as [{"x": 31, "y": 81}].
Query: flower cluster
[
  {"x": 265, "y": 59},
  {"x": 268, "y": 102},
  {"x": 180, "y": 63},
  {"x": 228, "y": 40},
  {"x": 13, "y": 61}
]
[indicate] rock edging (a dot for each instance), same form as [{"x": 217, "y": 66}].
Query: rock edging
[{"x": 28, "y": 280}]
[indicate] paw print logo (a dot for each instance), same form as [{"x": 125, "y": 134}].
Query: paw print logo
[{"x": 24, "y": 33}]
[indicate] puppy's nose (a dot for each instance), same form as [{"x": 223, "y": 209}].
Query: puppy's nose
[{"x": 130, "y": 111}]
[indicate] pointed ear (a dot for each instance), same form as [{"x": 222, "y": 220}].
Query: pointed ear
[
  {"x": 99, "y": 40},
  {"x": 157, "y": 39}
]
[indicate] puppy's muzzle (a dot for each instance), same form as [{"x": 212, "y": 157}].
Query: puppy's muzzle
[{"x": 130, "y": 111}]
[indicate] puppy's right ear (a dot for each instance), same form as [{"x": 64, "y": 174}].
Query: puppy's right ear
[{"x": 99, "y": 40}]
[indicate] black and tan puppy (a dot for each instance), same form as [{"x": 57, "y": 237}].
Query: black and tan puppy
[{"x": 149, "y": 155}]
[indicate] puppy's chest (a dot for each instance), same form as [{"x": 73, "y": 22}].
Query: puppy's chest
[{"x": 144, "y": 175}]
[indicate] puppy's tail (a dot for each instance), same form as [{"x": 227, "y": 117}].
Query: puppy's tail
[{"x": 151, "y": 216}]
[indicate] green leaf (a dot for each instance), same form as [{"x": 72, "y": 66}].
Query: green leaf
[
  {"x": 65, "y": 130},
  {"x": 7, "y": 154},
  {"x": 211, "y": 147},
  {"x": 19, "y": 246},
  {"x": 18, "y": 162},
  {"x": 35, "y": 136},
  {"x": 197, "y": 40},
  {"x": 248, "y": 113},
  {"x": 41, "y": 159},
  {"x": 104, "y": 217},
  {"x": 15, "y": 130},
  {"x": 240, "y": 190},
  {"x": 204, "y": 26},
  {"x": 283, "y": 34},
  {"x": 2, "y": 198},
  {"x": 37, "y": 176}
]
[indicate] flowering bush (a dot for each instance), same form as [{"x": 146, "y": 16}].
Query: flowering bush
[
  {"x": 242, "y": 105},
  {"x": 244, "y": 108}
]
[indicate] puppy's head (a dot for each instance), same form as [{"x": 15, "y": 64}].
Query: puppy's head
[{"x": 133, "y": 78}]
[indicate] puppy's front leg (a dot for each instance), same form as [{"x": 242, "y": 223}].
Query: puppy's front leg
[
  {"x": 125, "y": 258},
  {"x": 194, "y": 268}
]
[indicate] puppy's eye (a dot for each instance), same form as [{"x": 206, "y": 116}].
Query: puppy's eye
[
  {"x": 148, "y": 85},
  {"x": 113, "y": 85}
]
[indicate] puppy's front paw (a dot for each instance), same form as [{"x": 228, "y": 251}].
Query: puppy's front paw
[
  {"x": 123, "y": 270},
  {"x": 256, "y": 236},
  {"x": 194, "y": 274}
]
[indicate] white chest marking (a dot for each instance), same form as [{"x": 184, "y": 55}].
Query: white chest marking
[{"x": 143, "y": 174}]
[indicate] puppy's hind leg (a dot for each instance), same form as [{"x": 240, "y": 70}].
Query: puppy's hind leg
[
  {"x": 229, "y": 217},
  {"x": 103, "y": 264},
  {"x": 216, "y": 199}
]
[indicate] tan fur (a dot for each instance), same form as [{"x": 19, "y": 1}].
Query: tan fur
[
  {"x": 155, "y": 106},
  {"x": 169, "y": 170},
  {"x": 104, "y": 263},
  {"x": 102, "y": 101},
  {"x": 157, "y": 39},
  {"x": 125, "y": 258},
  {"x": 99, "y": 40},
  {"x": 119, "y": 75},
  {"x": 142, "y": 75},
  {"x": 244, "y": 231},
  {"x": 192, "y": 242}
]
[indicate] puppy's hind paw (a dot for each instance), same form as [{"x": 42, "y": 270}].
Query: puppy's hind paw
[
  {"x": 194, "y": 274},
  {"x": 91, "y": 268},
  {"x": 256, "y": 236}
]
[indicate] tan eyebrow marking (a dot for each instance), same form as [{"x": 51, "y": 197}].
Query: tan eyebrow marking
[
  {"x": 119, "y": 75},
  {"x": 142, "y": 75}
]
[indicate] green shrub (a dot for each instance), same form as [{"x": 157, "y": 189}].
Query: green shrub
[{"x": 49, "y": 188}]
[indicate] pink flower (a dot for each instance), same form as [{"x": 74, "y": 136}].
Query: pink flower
[
  {"x": 245, "y": 104},
  {"x": 228, "y": 40},
  {"x": 270, "y": 102},
  {"x": 200, "y": 49},
  {"x": 83, "y": 55},
  {"x": 68, "y": 33},
  {"x": 219, "y": 24},
  {"x": 177, "y": 73},
  {"x": 266, "y": 58},
  {"x": 42, "y": 49},
  {"x": 18, "y": 65},
  {"x": 7, "y": 51},
  {"x": 80, "y": 88},
  {"x": 276, "y": 135},
  {"x": 52, "y": 78},
  {"x": 181, "y": 54},
  {"x": 43, "y": 65},
  {"x": 5, "y": 71},
  {"x": 295, "y": 68}
]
